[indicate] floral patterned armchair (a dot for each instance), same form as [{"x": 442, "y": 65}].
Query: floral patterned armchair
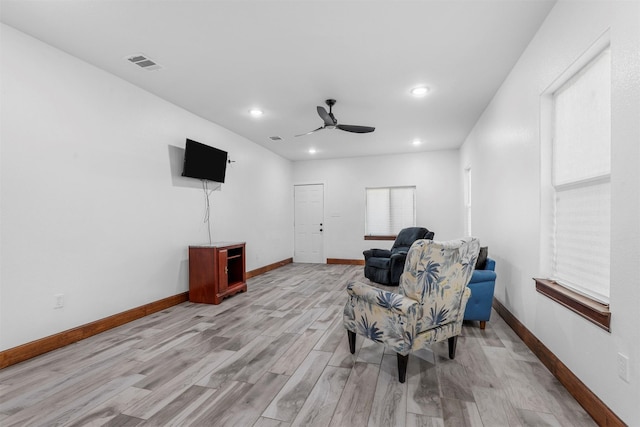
[{"x": 429, "y": 307}]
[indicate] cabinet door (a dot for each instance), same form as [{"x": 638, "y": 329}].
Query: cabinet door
[{"x": 223, "y": 271}]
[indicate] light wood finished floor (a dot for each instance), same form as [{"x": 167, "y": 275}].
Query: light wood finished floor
[{"x": 278, "y": 356}]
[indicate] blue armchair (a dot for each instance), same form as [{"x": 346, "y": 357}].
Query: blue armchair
[
  {"x": 482, "y": 285},
  {"x": 385, "y": 266}
]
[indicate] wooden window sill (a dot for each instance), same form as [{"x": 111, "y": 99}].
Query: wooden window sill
[
  {"x": 380, "y": 237},
  {"x": 594, "y": 311}
]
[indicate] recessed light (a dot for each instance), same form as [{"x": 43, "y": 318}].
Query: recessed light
[
  {"x": 312, "y": 151},
  {"x": 419, "y": 91},
  {"x": 417, "y": 141},
  {"x": 256, "y": 112}
]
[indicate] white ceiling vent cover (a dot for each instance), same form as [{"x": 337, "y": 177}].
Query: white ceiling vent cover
[{"x": 143, "y": 61}]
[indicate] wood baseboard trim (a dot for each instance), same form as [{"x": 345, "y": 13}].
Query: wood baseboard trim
[
  {"x": 345, "y": 261},
  {"x": 595, "y": 407},
  {"x": 44, "y": 345},
  {"x": 267, "y": 268}
]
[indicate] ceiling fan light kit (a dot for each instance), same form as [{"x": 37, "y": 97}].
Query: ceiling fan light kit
[{"x": 330, "y": 121}]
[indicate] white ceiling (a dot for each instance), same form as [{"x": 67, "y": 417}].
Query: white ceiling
[{"x": 221, "y": 58}]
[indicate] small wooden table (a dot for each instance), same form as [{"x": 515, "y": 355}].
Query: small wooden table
[{"x": 216, "y": 271}]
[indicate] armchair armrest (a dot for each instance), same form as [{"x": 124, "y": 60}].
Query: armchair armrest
[
  {"x": 482, "y": 276},
  {"x": 382, "y": 316},
  {"x": 397, "y": 266},
  {"x": 399, "y": 255},
  {"x": 394, "y": 303},
  {"x": 381, "y": 253}
]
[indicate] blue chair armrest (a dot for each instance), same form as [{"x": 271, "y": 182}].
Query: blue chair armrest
[{"x": 483, "y": 276}]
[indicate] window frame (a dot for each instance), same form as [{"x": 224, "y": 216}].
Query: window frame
[
  {"x": 589, "y": 307},
  {"x": 467, "y": 199},
  {"x": 386, "y": 236}
]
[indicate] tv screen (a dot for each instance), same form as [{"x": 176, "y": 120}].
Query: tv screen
[{"x": 204, "y": 162}]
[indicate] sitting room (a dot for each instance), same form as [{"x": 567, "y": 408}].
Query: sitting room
[{"x": 230, "y": 212}]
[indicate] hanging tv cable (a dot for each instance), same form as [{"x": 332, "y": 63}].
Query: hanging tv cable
[{"x": 207, "y": 209}]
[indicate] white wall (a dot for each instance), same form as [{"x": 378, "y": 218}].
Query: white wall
[
  {"x": 93, "y": 206},
  {"x": 504, "y": 152},
  {"x": 438, "y": 195}
]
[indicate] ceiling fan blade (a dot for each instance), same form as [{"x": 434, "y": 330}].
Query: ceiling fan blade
[
  {"x": 356, "y": 129},
  {"x": 328, "y": 120},
  {"x": 315, "y": 130}
]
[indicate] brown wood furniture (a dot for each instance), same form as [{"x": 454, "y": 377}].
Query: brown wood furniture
[{"x": 216, "y": 271}]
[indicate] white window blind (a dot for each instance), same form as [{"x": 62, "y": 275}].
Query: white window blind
[
  {"x": 389, "y": 210},
  {"x": 581, "y": 168}
]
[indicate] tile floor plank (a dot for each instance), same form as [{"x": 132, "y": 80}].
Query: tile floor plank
[
  {"x": 318, "y": 409},
  {"x": 354, "y": 406},
  {"x": 286, "y": 405},
  {"x": 389, "y": 406}
]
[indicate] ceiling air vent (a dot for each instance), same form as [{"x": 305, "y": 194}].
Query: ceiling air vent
[
  {"x": 275, "y": 138},
  {"x": 143, "y": 61}
]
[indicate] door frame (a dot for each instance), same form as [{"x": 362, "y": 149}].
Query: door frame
[{"x": 324, "y": 209}]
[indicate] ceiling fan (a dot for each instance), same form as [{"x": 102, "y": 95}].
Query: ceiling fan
[{"x": 330, "y": 122}]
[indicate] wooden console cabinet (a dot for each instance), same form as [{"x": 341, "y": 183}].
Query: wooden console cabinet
[{"x": 216, "y": 271}]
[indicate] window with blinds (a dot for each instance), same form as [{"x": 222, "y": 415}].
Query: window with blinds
[
  {"x": 389, "y": 210},
  {"x": 467, "y": 200},
  {"x": 581, "y": 169}
]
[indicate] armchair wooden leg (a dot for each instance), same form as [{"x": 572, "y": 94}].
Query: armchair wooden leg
[
  {"x": 352, "y": 341},
  {"x": 402, "y": 367},
  {"x": 483, "y": 324},
  {"x": 452, "y": 347}
]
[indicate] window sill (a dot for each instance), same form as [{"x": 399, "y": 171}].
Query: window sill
[
  {"x": 380, "y": 237},
  {"x": 592, "y": 310}
]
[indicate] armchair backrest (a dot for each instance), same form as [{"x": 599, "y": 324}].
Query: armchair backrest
[
  {"x": 407, "y": 236},
  {"x": 437, "y": 273}
]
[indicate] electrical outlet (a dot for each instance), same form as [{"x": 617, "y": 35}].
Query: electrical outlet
[
  {"x": 59, "y": 301},
  {"x": 623, "y": 367}
]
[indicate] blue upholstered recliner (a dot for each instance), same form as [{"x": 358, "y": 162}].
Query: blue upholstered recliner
[
  {"x": 385, "y": 266},
  {"x": 482, "y": 285}
]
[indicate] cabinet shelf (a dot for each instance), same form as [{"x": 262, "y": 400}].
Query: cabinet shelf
[{"x": 216, "y": 271}]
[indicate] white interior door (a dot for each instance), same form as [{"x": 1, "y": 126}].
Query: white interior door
[{"x": 308, "y": 217}]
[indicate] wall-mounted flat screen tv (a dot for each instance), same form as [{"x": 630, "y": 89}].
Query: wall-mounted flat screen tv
[{"x": 204, "y": 162}]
